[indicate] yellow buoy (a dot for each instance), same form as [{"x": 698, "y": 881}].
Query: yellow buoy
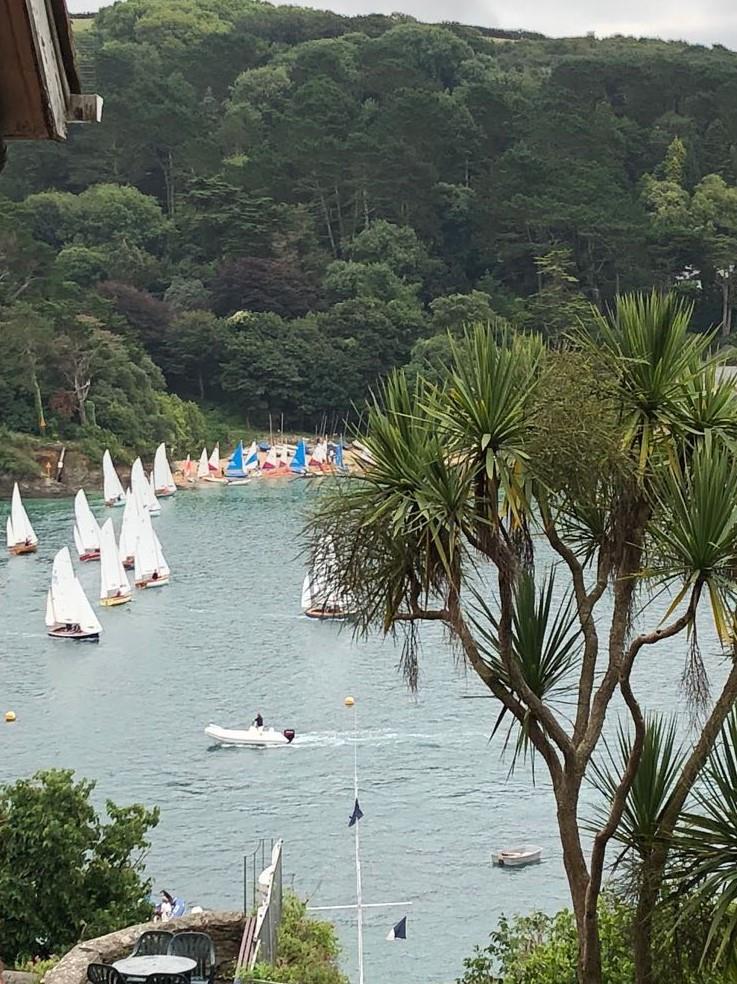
[
  {"x": 349, "y": 702},
  {"x": 10, "y": 716}
]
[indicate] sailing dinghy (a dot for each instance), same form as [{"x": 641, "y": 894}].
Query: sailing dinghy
[
  {"x": 213, "y": 467},
  {"x": 129, "y": 531},
  {"x": 163, "y": 479},
  {"x": 115, "y": 588},
  {"x": 22, "y": 538},
  {"x": 203, "y": 469},
  {"x": 141, "y": 488},
  {"x": 320, "y": 600},
  {"x": 235, "y": 472},
  {"x": 151, "y": 569},
  {"x": 86, "y": 529},
  {"x": 298, "y": 464},
  {"x": 112, "y": 487},
  {"x": 319, "y": 456},
  {"x": 69, "y": 614},
  {"x": 251, "y": 465},
  {"x": 253, "y": 736}
]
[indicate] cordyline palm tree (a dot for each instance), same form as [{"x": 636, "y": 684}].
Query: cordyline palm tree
[{"x": 617, "y": 451}]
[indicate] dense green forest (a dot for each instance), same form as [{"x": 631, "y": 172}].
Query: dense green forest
[{"x": 281, "y": 204}]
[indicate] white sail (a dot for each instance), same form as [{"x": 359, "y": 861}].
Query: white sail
[
  {"x": 111, "y": 484},
  {"x": 163, "y": 478},
  {"x": 320, "y": 453},
  {"x": 50, "y": 618},
  {"x": 87, "y": 525},
  {"x": 19, "y": 528},
  {"x": 129, "y": 528},
  {"x": 149, "y": 558},
  {"x": 307, "y": 593},
  {"x": 113, "y": 579},
  {"x": 270, "y": 460},
  {"x": 214, "y": 462},
  {"x": 61, "y": 603},
  {"x": 9, "y": 532},
  {"x": 203, "y": 469},
  {"x": 84, "y": 614},
  {"x": 142, "y": 490},
  {"x": 250, "y": 458},
  {"x": 78, "y": 541}
]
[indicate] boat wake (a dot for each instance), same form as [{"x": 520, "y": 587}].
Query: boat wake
[{"x": 327, "y": 739}]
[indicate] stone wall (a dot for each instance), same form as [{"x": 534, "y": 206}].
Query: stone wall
[{"x": 225, "y": 929}]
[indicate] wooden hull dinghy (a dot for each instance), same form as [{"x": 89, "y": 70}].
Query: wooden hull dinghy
[
  {"x": 79, "y": 635},
  {"x": 151, "y": 568},
  {"x": 69, "y": 614},
  {"x": 328, "y": 614},
  {"x": 163, "y": 480},
  {"x": 518, "y": 857},
  {"x": 113, "y": 491},
  {"x": 86, "y": 529},
  {"x": 21, "y": 536},
  {"x": 115, "y": 588},
  {"x": 252, "y": 737}
]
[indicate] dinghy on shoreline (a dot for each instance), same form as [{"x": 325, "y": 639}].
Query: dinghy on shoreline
[
  {"x": 21, "y": 536},
  {"x": 115, "y": 588},
  {"x": 250, "y": 737},
  {"x": 112, "y": 488},
  {"x": 213, "y": 468},
  {"x": 86, "y": 529},
  {"x": 235, "y": 472},
  {"x": 69, "y": 614}
]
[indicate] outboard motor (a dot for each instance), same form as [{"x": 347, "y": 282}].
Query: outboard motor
[{"x": 289, "y": 734}]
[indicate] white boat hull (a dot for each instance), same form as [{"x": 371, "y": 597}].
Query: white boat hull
[
  {"x": 518, "y": 857},
  {"x": 249, "y": 737}
]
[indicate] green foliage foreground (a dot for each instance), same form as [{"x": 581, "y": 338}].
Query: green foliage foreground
[
  {"x": 307, "y": 950},
  {"x": 65, "y": 874}
]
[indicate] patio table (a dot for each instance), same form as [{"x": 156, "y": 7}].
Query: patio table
[{"x": 160, "y": 963}]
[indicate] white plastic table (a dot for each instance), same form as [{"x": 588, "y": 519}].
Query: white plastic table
[{"x": 155, "y": 964}]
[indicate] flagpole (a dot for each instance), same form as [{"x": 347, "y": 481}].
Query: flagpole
[{"x": 350, "y": 702}]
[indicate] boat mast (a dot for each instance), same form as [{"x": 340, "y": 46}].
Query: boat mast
[{"x": 356, "y": 826}]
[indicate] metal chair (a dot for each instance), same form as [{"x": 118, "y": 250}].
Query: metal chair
[
  {"x": 198, "y": 947},
  {"x": 167, "y": 979},
  {"x": 103, "y": 974},
  {"x": 152, "y": 943}
]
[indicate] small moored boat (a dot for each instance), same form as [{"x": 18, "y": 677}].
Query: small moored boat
[
  {"x": 86, "y": 529},
  {"x": 213, "y": 467},
  {"x": 253, "y": 736},
  {"x": 235, "y": 472},
  {"x": 21, "y": 536},
  {"x": 112, "y": 487},
  {"x": 517, "y": 857},
  {"x": 69, "y": 614}
]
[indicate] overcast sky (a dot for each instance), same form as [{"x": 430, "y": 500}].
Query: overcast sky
[{"x": 706, "y": 21}]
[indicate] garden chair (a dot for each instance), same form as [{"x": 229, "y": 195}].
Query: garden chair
[
  {"x": 98, "y": 973},
  {"x": 198, "y": 947},
  {"x": 152, "y": 943}
]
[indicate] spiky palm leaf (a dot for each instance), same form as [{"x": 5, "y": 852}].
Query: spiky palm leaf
[
  {"x": 657, "y": 772},
  {"x": 645, "y": 341},
  {"x": 706, "y": 841},
  {"x": 694, "y": 530},
  {"x": 545, "y": 646},
  {"x": 484, "y": 414}
]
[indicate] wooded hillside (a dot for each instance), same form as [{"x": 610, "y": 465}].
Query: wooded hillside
[{"x": 282, "y": 204}]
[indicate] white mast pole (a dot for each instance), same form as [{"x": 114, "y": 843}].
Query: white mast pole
[{"x": 350, "y": 702}]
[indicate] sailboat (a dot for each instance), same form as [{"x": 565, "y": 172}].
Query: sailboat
[
  {"x": 298, "y": 464},
  {"x": 339, "y": 462},
  {"x": 235, "y": 472},
  {"x": 22, "y": 538},
  {"x": 142, "y": 490},
  {"x": 251, "y": 464},
  {"x": 111, "y": 484},
  {"x": 270, "y": 464},
  {"x": 203, "y": 468},
  {"x": 320, "y": 599},
  {"x": 115, "y": 588},
  {"x": 151, "y": 569},
  {"x": 319, "y": 456},
  {"x": 188, "y": 469},
  {"x": 213, "y": 467},
  {"x": 69, "y": 614},
  {"x": 86, "y": 529},
  {"x": 162, "y": 476},
  {"x": 129, "y": 531}
]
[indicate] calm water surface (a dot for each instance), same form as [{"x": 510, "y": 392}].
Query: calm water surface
[{"x": 226, "y": 639}]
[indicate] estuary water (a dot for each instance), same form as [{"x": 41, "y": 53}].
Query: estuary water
[{"x": 226, "y": 639}]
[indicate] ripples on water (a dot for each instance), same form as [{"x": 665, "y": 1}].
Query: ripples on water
[{"x": 225, "y": 640}]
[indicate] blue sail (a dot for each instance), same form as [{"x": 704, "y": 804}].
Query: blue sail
[
  {"x": 339, "y": 456},
  {"x": 299, "y": 461},
  {"x": 235, "y": 465}
]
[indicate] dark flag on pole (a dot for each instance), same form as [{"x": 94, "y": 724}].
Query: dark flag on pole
[
  {"x": 398, "y": 932},
  {"x": 356, "y": 815}
]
